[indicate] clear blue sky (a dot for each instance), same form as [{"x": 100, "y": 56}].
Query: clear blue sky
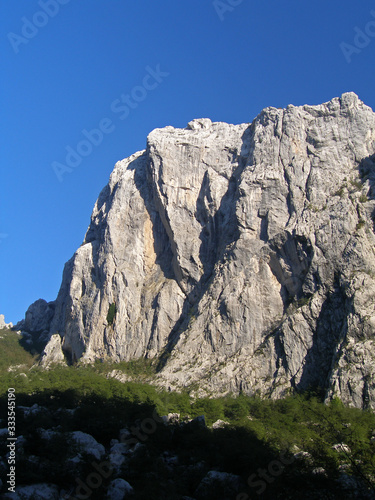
[{"x": 70, "y": 73}]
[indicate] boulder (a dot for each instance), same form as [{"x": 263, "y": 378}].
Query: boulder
[
  {"x": 119, "y": 489},
  {"x": 87, "y": 444}
]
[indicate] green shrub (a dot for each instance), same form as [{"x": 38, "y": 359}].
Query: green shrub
[
  {"x": 356, "y": 184},
  {"x": 339, "y": 192},
  {"x": 360, "y": 224},
  {"x": 303, "y": 301},
  {"x": 212, "y": 409},
  {"x": 111, "y": 313}
]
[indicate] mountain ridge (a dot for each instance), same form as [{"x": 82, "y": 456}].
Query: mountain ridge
[{"x": 242, "y": 256}]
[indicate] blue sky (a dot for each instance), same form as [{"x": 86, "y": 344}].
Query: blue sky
[{"x": 69, "y": 65}]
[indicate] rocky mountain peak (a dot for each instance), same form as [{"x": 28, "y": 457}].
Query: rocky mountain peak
[{"x": 242, "y": 256}]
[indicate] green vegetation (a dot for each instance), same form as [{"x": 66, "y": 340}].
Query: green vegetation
[
  {"x": 111, "y": 313},
  {"x": 330, "y": 436},
  {"x": 303, "y": 301},
  {"x": 360, "y": 224},
  {"x": 340, "y": 191},
  {"x": 363, "y": 198},
  {"x": 295, "y": 421},
  {"x": 140, "y": 369},
  {"x": 11, "y": 351},
  {"x": 311, "y": 434},
  {"x": 356, "y": 184},
  {"x": 314, "y": 208}
]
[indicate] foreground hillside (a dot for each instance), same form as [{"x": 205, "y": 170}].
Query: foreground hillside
[{"x": 82, "y": 432}]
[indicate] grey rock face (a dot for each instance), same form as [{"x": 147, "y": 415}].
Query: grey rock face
[
  {"x": 53, "y": 353},
  {"x": 242, "y": 255},
  {"x": 87, "y": 444},
  {"x": 38, "y": 317}
]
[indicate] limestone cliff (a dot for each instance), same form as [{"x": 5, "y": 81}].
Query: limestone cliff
[{"x": 241, "y": 255}]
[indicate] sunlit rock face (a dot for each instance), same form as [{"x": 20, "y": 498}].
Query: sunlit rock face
[{"x": 241, "y": 255}]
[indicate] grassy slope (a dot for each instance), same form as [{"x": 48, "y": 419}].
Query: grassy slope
[{"x": 11, "y": 352}]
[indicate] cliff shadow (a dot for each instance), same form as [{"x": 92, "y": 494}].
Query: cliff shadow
[
  {"x": 332, "y": 324},
  {"x": 160, "y": 237},
  {"x": 290, "y": 258},
  {"x": 34, "y": 342},
  {"x": 330, "y": 333},
  {"x": 161, "y": 241},
  {"x": 218, "y": 231},
  {"x": 221, "y": 229},
  {"x": 367, "y": 173}
]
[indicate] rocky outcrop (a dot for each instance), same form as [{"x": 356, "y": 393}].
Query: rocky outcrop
[
  {"x": 4, "y": 325},
  {"x": 240, "y": 255},
  {"x": 52, "y": 353},
  {"x": 38, "y": 317}
]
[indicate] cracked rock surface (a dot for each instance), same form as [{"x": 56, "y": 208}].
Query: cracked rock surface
[{"x": 243, "y": 255}]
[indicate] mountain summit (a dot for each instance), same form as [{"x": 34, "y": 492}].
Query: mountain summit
[{"x": 242, "y": 256}]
